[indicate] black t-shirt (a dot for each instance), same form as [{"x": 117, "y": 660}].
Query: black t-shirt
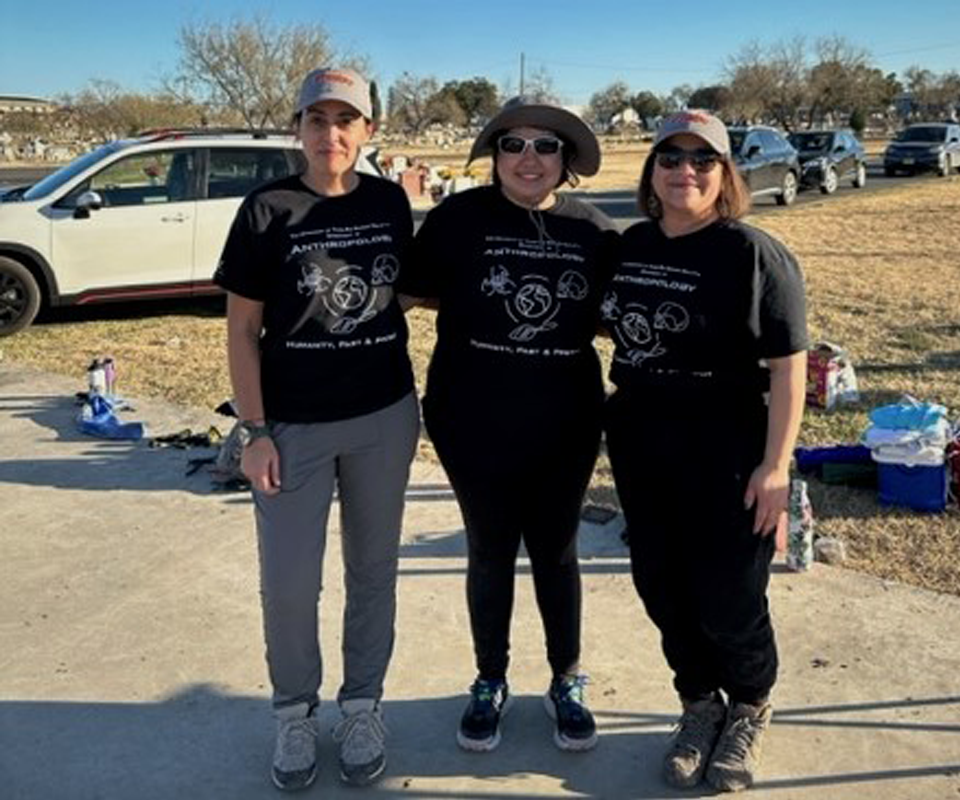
[
  {"x": 334, "y": 337},
  {"x": 519, "y": 293},
  {"x": 692, "y": 316}
]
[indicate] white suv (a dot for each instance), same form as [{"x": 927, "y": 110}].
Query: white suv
[{"x": 133, "y": 219}]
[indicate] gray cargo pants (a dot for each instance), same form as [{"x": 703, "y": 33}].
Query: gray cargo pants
[{"x": 368, "y": 459}]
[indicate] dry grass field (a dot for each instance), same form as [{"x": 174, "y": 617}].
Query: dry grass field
[{"x": 883, "y": 277}]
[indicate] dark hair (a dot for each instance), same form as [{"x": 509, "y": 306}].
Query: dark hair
[
  {"x": 567, "y": 153},
  {"x": 733, "y": 201}
]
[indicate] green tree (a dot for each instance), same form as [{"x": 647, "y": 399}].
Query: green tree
[
  {"x": 607, "y": 103},
  {"x": 477, "y": 99}
]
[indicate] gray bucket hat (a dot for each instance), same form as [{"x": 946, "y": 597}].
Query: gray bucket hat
[
  {"x": 522, "y": 112},
  {"x": 329, "y": 83},
  {"x": 699, "y": 123}
]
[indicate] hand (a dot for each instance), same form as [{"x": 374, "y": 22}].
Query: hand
[
  {"x": 769, "y": 490},
  {"x": 260, "y": 462}
]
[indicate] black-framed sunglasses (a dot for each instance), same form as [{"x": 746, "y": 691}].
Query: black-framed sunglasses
[
  {"x": 700, "y": 160},
  {"x": 517, "y": 145}
]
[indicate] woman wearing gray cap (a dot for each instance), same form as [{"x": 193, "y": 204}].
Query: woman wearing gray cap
[
  {"x": 514, "y": 392},
  {"x": 707, "y": 316},
  {"x": 324, "y": 389}
]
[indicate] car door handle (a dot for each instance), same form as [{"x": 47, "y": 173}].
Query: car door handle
[{"x": 174, "y": 218}]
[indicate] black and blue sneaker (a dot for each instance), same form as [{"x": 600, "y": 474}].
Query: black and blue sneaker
[
  {"x": 575, "y": 727},
  {"x": 480, "y": 724}
]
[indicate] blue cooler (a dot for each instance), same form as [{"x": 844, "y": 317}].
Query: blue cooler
[{"x": 920, "y": 488}]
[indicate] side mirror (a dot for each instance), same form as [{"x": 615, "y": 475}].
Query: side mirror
[{"x": 87, "y": 202}]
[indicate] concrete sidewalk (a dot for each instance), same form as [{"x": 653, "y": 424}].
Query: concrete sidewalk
[{"x": 131, "y": 658}]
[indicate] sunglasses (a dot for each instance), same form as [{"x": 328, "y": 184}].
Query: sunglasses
[
  {"x": 517, "y": 145},
  {"x": 700, "y": 160}
]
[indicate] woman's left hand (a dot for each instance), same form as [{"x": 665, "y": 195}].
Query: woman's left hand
[{"x": 769, "y": 491}]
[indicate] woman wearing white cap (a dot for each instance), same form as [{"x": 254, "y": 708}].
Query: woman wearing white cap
[
  {"x": 514, "y": 392},
  {"x": 324, "y": 389},
  {"x": 708, "y": 316}
]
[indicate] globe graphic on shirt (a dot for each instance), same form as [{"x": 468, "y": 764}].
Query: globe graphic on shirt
[
  {"x": 349, "y": 293},
  {"x": 533, "y": 300},
  {"x": 636, "y": 327}
]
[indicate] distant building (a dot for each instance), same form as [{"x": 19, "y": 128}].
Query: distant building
[{"x": 11, "y": 103}]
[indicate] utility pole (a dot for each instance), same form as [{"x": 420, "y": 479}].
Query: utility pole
[{"x": 521, "y": 72}]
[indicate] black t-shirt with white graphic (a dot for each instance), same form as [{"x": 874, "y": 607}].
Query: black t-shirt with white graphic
[
  {"x": 694, "y": 315},
  {"x": 334, "y": 337},
  {"x": 519, "y": 293}
]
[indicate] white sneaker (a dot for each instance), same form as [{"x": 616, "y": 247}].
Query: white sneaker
[
  {"x": 361, "y": 734},
  {"x": 295, "y": 755}
]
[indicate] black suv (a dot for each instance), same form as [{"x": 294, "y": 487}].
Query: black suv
[
  {"x": 827, "y": 157},
  {"x": 767, "y": 162},
  {"x": 924, "y": 147}
]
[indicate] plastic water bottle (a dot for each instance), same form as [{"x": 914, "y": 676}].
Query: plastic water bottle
[
  {"x": 800, "y": 530},
  {"x": 97, "y": 378}
]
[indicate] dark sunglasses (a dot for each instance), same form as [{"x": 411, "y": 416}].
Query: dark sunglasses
[
  {"x": 517, "y": 145},
  {"x": 700, "y": 160}
]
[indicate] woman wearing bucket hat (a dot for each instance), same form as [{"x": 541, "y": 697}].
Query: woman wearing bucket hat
[
  {"x": 324, "y": 389},
  {"x": 707, "y": 316},
  {"x": 514, "y": 392}
]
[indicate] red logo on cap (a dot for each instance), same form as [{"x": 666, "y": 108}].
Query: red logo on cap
[
  {"x": 692, "y": 116},
  {"x": 335, "y": 77}
]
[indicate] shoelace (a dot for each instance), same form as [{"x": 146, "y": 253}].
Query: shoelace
[
  {"x": 484, "y": 691},
  {"x": 570, "y": 692},
  {"x": 694, "y": 730},
  {"x": 298, "y": 741},
  {"x": 739, "y": 736},
  {"x": 362, "y": 734}
]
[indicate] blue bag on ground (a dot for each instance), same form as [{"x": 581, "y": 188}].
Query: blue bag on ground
[{"x": 97, "y": 418}]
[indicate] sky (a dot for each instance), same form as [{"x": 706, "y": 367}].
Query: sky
[{"x": 56, "y": 47}]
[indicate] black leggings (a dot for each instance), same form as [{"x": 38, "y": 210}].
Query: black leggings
[
  {"x": 512, "y": 489},
  {"x": 697, "y": 565}
]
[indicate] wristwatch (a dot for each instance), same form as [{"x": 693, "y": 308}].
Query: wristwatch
[{"x": 251, "y": 431}]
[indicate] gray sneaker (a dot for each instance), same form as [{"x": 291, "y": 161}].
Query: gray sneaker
[
  {"x": 694, "y": 738},
  {"x": 736, "y": 758},
  {"x": 361, "y": 735},
  {"x": 295, "y": 754}
]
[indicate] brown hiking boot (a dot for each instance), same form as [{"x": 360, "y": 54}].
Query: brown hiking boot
[
  {"x": 694, "y": 738},
  {"x": 736, "y": 758}
]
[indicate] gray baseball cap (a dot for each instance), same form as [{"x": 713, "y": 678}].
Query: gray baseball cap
[
  {"x": 330, "y": 83},
  {"x": 699, "y": 123}
]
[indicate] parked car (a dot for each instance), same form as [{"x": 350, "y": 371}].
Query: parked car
[
  {"x": 135, "y": 218},
  {"x": 829, "y": 156},
  {"x": 767, "y": 162},
  {"x": 924, "y": 147}
]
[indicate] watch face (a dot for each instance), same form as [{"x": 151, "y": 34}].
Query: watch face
[{"x": 249, "y": 432}]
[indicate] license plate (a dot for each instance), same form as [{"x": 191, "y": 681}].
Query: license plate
[{"x": 908, "y": 161}]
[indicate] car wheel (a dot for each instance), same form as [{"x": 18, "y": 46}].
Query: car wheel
[
  {"x": 19, "y": 296},
  {"x": 788, "y": 190},
  {"x": 860, "y": 176},
  {"x": 829, "y": 183}
]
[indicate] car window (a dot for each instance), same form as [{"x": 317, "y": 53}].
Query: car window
[
  {"x": 810, "y": 142},
  {"x": 771, "y": 142},
  {"x": 736, "y": 141},
  {"x": 923, "y": 133},
  {"x": 141, "y": 179},
  {"x": 233, "y": 172}
]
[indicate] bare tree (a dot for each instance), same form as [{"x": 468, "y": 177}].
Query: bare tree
[
  {"x": 539, "y": 87},
  {"x": 607, "y": 103},
  {"x": 252, "y": 68},
  {"x": 106, "y": 111},
  {"x": 414, "y": 103},
  {"x": 678, "y": 98},
  {"x": 769, "y": 84}
]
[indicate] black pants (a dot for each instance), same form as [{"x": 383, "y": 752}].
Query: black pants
[
  {"x": 525, "y": 484},
  {"x": 697, "y": 565}
]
